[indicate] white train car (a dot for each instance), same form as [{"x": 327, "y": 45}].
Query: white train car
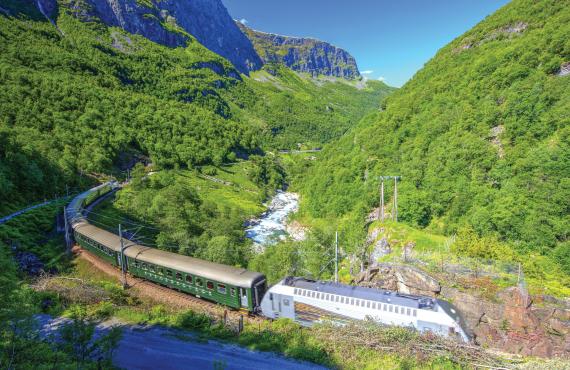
[{"x": 309, "y": 301}]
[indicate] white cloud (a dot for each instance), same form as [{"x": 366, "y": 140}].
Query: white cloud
[
  {"x": 368, "y": 72},
  {"x": 381, "y": 78},
  {"x": 243, "y": 21}
]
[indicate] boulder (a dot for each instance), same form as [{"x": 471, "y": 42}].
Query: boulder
[{"x": 404, "y": 279}]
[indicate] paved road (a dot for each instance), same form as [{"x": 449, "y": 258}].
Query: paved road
[{"x": 156, "y": 347}]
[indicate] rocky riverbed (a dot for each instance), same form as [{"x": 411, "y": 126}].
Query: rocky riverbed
[{"x": 271, "y": 226}]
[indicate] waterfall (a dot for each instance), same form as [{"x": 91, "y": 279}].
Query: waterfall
[{"x": 42, "y": 10}]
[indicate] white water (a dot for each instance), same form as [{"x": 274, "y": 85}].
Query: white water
[
  {"x": 271, "y": 226},
  {"x": 44, "y": 13}
]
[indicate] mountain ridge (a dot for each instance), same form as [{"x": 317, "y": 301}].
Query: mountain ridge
[{"x": 303, "y": 54}]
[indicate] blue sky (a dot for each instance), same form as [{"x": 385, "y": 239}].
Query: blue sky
[{"x": 390, "y": 39}]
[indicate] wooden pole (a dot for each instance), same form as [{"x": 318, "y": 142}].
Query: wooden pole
[
  {"x": 123, "y": 274},
  {"x": 67, "y": 236},
  {"x": 382, "y": 201},
  {"x": 395, "y": 205}
]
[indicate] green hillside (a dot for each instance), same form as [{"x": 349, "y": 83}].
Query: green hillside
[
  {"x": 480, "y": 136},
  {"x": 89, "y": 100}
]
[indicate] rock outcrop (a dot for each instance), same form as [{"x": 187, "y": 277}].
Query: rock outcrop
[
  {"x": 173, "y": 23},
  {"x": 510, "y": 322},
  {"x": 514, "y": 324},
  {"x": 401, "y": 278},
  {"x": 303, "y": 54}
]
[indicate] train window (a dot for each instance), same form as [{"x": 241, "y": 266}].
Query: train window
[
  {"x": 136, "y": 264},
  {"x": 152, "y": 268},
  {"x": 144, "y": 266},
  {"x": 286, "y": 302},
  {"x": 296, "y": 291},
  {"x": 210, "y": 285},
  {"x": 199, "y": 282},
  {"x": 161, "y": 271},
  {"x": 368, "y": 304},
  {"x": 373, "y": 305},
  {"x": 337, "y": 298},
  {"x": 189, "y": 279},
  {"x": 352, "y": 301},
  {"x": 233, "y": 292},
  {"x": 221, "y": 289},
  {"x": 408, "y": 311},
  {"x": 178, "y": 276},
  {"x": 384, "y": 307},
  {"x": 169, "y": 273},
  {"x": 390, "y": 308},
  {"x": 415, "y": 313}
]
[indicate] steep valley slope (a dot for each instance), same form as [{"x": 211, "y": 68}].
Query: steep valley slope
[
  {"x": 480, "y": 137},
  {"x": 81, "y": 98}
]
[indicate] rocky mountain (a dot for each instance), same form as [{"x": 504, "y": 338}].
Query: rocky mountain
[
  {"x": 173, "y": 23},
  {"x": 303, "y": 54}
]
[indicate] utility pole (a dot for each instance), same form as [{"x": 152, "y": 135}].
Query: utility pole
[
  {"x": 67, "y": 236},
  {"x": 382, "y": 200},
  {"x": 123, "y": 275},
  {"x": 395, "y": 202},
  {"x": 336, "y": 258}
]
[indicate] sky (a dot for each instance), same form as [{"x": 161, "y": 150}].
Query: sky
[{"x": 390, "y": 39}]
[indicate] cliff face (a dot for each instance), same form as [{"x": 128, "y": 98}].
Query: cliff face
[
  {"x": 173, "y": 22},
  {"x": 303, "y": 54}
]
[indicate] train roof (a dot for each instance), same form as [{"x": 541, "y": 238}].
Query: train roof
[
  {"x": 371, "y": 294},
  {"x": 209, "y": 270}
]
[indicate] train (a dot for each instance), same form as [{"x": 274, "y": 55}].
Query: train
[{"x": 299, "y": 299}]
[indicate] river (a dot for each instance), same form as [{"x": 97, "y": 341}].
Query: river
[{"x": 271, "y": 226}]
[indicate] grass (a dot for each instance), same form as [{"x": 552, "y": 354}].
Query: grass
[{"x": 35, "y": 232}]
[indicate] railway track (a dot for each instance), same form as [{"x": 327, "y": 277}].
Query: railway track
[{"x": 165, "y": 295}]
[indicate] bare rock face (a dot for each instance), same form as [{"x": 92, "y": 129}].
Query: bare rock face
[
  {"x": 564, "y": 69},
  {"x": 509, "y": 323},
  {"x": 404, "y": 279},
  {"x": 171, "y": 22},
  {"x": 306, "y": 55},
  {"x": 513, "y": 324}
]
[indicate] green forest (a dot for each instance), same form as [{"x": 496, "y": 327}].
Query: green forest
[
  {"x": 480, "y": 137},
  {"x": 88, "y": 102}
]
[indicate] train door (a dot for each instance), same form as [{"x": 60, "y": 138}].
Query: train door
[
  {"x": 282, "y": 306},
  {"x": 243, "y": 296}
]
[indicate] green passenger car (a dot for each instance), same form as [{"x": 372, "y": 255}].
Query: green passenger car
[{"x": 227, "y": 285}]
